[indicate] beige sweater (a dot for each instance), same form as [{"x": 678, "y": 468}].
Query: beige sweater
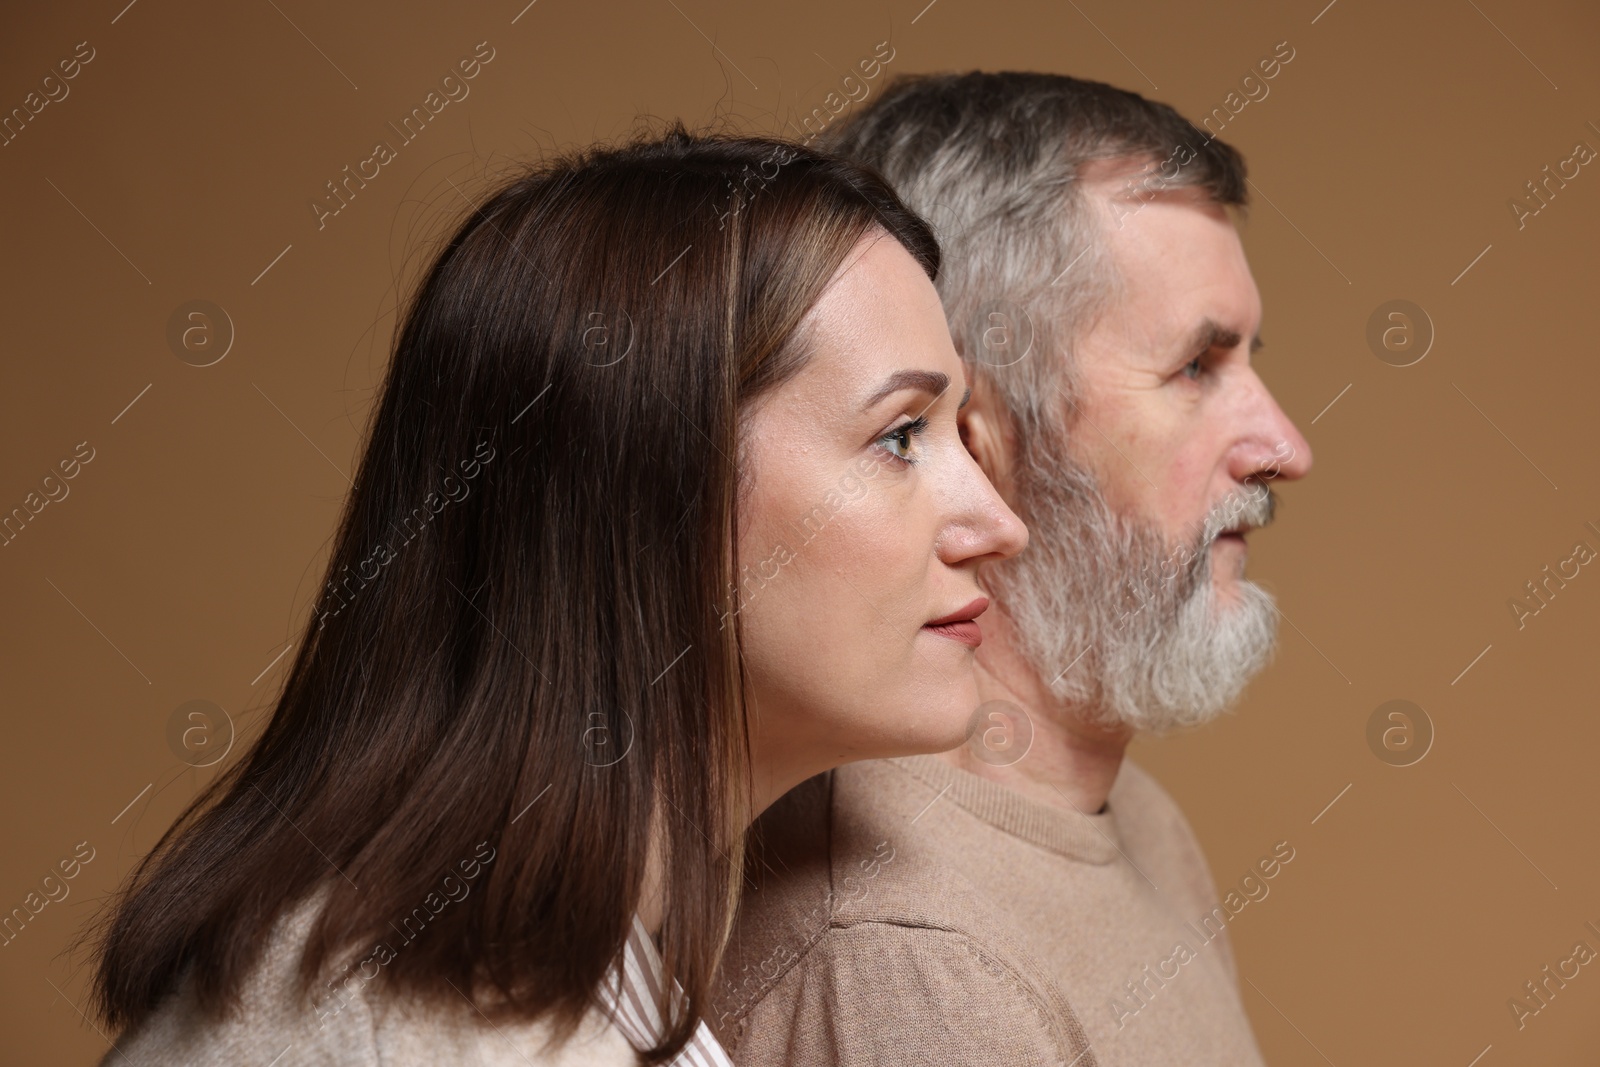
[
  {"x": 363, "y": 1031},
  {"x": 907, "y": 912}
]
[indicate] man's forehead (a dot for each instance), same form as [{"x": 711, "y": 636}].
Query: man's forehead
[
  {"x": 1163, "y": 320},
  {"x": 1188, "y": 287}
]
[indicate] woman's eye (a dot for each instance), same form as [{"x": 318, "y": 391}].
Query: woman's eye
[{"x": 898, "y": 440}]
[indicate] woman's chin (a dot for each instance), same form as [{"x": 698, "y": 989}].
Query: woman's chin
[{"x": 953, "y": 724}]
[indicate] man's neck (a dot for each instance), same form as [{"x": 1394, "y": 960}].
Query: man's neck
[{"x": 1071, "y": 763}]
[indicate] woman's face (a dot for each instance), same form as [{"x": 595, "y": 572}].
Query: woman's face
[{"x": 865, "y": 521}]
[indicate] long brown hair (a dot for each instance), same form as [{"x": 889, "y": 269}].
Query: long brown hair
[{"x": 521, "y": 659}]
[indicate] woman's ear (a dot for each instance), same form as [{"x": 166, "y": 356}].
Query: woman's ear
[{"x": 982, "y": 425}]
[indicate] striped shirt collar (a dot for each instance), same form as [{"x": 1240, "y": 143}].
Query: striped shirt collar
[{"x": 632, "y": 1004}]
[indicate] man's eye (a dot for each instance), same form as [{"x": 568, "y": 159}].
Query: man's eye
[{"x": 1192, "y": 368}]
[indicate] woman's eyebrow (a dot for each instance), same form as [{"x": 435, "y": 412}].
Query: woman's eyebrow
[{"x": 931, "y": 381}]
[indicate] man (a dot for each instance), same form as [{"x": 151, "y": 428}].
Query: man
[{"x": 1034, "y": 898}]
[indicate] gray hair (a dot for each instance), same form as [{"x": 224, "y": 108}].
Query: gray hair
[{"x": 994, "y": 162}]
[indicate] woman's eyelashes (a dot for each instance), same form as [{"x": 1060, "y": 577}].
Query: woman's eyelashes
[{"x": 897, "y": 442}]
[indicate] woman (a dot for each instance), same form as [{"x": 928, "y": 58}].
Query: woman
[{"x": 663, "y": 510}]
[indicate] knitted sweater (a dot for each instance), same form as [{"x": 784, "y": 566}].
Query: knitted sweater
[{"x": 908, "y": 912}]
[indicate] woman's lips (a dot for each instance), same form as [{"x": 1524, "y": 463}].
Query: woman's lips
[
  {"x": 967, "y": 632},
  {"x": 961, "y": 624}
]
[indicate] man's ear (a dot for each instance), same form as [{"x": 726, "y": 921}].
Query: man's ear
[{"x": 982, "y": 424}]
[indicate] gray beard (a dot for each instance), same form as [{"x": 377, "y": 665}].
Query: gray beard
[{"x": 1126, "y": 629}]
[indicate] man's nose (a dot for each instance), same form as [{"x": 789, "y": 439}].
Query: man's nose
[{"x": 1270, "y": 441}]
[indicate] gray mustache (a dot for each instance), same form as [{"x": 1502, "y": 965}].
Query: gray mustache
[{"x": 1252, "y": 507}]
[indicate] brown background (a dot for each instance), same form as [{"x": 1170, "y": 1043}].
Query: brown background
[{"x": 185, "y": 558}]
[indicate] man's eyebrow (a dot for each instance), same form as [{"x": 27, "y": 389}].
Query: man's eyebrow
[
  {"x": 931, "y": 381},
  {"x": 1212, "y": 334}
]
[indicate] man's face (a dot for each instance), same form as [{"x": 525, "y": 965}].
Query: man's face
[
  {"x": 1131, "y": 601},
  {"x": 1172, "y": 417}
]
